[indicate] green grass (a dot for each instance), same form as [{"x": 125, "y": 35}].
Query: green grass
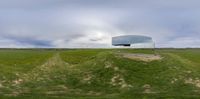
[
  {"x": 99, "y": 74},
  {"x": 13, "y": 62}
]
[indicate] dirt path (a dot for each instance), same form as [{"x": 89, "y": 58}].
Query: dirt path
[
  {"x": 55, "y": 60},
  {"x": 184, "y": 61},
  {"x": 42, "y": 72}
]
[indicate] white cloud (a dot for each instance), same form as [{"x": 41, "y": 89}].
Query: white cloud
[{"x": 183, "y": 42}]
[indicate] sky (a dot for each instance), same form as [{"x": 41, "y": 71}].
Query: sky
[{"x": 92, "y": 23}]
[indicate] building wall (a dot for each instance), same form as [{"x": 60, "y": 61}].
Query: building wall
[{"x": 136, "y": 41}]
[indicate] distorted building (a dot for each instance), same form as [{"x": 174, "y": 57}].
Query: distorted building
[{"x": 135, "y": 41}]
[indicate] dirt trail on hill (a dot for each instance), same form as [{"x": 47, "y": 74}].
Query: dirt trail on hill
[
  {"x": 183, "y": 60},
  {"x": 54, "y": 61},
  {"x": 52, "y": 64},
  {"x": 191, "y": 66},
  {"x": 50, "y": 69}
]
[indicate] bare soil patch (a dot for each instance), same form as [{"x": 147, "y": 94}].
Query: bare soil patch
[
  {"x": 141, "y": 57},
  {"x": 1, "y": 85}
]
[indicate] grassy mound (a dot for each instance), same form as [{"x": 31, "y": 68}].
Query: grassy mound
[{"x": 99, "y": 73}]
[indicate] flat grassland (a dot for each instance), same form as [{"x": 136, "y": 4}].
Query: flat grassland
[{"x": 99, "y": 73}]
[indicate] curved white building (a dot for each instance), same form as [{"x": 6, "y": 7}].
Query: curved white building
[{"x": 137, "y": 41}]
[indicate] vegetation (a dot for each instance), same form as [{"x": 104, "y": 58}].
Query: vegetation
[{"x": 99, "y": 73}]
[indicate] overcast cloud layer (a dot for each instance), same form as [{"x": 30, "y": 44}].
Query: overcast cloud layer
[{"x": 92, "y": 23}]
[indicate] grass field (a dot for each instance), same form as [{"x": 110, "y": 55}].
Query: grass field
[{"x": 99, "y": 74}]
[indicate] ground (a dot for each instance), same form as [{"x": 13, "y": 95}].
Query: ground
[{"x": 99, "y": 73}]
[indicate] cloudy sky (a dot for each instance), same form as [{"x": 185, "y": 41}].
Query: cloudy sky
[{"x": 92, "y": 23}]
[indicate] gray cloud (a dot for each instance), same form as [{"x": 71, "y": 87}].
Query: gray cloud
[{"x": 92, "y": 23}]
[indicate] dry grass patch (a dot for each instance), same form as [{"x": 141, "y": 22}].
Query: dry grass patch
[{"x": 195, "y": 82}]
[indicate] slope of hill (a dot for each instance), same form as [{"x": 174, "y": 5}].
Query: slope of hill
[{"x": 100, "y": 73}]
